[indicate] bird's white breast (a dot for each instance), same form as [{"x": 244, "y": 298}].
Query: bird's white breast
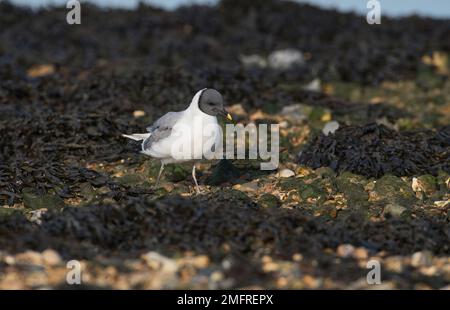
[{"x": 193, "y": 134}]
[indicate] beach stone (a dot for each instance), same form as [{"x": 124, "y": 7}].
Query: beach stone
[
  {"x": 247, "y": 187},
  {"x": 422, "y": 258},
  {"x": 286, "y": 173},
  {"x": 29, "y": 258},
  {"x": 159, "y": 262},
  {"x": 285, "y": 59},
  {"x": 345, "y": 250},
  {"x": 51, "y": 257},
  {"x": 330, "y": 128},
  {"x": 314, "y": 86}
]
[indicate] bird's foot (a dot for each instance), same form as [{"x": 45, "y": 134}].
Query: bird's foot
[{"x": 197, "y": 191}]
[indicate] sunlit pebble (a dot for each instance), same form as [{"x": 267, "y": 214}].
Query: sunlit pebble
[
  {"x": 330, "y": 128},
  {"x": 226, "y": 264},
  {"x": 282, "y": 282},
  {"x": 297, "y": 257},
  {"x": 138, "y": 113},
  {"x": 286, "y": 173},
  {"x": 270, "y": 267},
  {"x": 9, "y": 260},
  {"x": 41, "y": 70},
  {"x": 217, "y": 276},
  {"x": 441, "y": 203},
  {"x": 284, "y": 124},
  {"x": 345, "y": 250},
  {"x": 266, "y": 259}
]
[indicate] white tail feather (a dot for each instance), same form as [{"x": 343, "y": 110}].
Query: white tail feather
[{"x": 137, "y": 136}]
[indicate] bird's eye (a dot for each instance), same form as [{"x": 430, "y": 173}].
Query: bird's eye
[{"x": 210, "y": 103}]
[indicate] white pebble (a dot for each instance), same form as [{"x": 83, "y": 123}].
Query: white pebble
[
  {"x": 330, "y": 127},
  {"x": 286, "y": 173}
]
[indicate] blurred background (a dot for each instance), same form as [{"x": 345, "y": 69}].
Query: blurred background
[{"x": 436, "y": 8}]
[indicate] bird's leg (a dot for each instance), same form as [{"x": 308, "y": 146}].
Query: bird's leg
[
  {"x": 195, "y": 180},
  {"x": 159, "y": 175}
]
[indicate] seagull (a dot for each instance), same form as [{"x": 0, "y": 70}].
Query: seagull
[{"x": 184, "y": 128}]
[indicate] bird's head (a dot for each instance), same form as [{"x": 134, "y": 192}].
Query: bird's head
[{"x": 211, "y": 103}]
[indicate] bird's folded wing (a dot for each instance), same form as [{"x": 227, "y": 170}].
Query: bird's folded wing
[{"x": 161, "y": 129}]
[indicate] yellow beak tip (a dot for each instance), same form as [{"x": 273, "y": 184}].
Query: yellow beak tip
[{"x": 229, "y": 117}]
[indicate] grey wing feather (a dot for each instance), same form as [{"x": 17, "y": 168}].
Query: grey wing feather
[{"x": 161, "y": 129}]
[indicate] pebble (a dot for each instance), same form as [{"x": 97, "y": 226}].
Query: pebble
[
  {"x": 330, "y": 127},
  {"x": 247, "y": 187},
  {"x": 29, "y": 258},
  {"x": 200, "y": 261},
  {"x": 159, "y": 262},
  {"x": 51, "y": 257},
  {"x": 313, "y": 86},
  {"x": 394, "y": 263},
  {"x": 441, "y": 203},
  {"x": 285, "y": 59},
  {"x": 361, "y": 253},
  {"x": 138, "y": 113},
  {"x": 36, "y": 216},
  {"x": 345, "y": 250},
  {"x": 286, "y": 173},
  {"x": 253, "y": 61},
  {"x": 422, "y": 258}
]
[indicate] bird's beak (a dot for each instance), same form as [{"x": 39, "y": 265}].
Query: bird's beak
[{"x": 225, "y": 114}]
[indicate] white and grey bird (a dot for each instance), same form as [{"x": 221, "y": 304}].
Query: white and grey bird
[{"x": 171, "y": 130}]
